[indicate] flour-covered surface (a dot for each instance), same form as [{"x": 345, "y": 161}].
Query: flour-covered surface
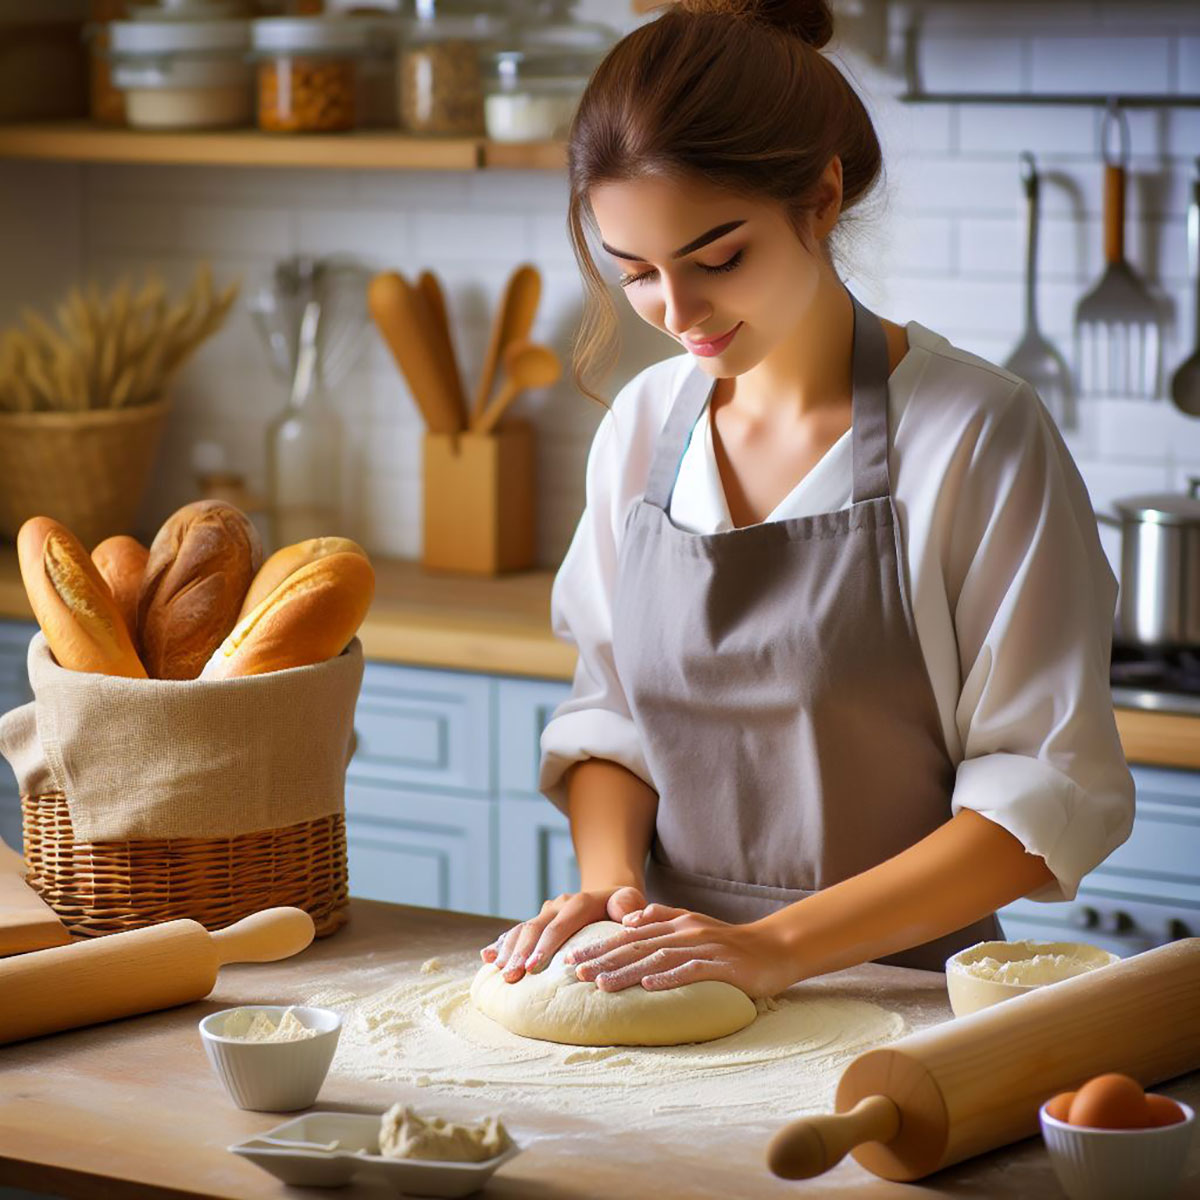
[{"x": 423, "y": 1030}]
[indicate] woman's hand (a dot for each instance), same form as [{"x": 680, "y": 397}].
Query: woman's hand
[
  {"x": 531, "y": 945},
  {"x": 665, "y": 947}
]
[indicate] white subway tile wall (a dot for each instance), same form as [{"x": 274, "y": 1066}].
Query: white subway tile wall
[{"x": 941, "y": 243}]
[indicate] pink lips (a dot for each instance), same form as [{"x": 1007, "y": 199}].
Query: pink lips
[{"x": 710, "y": 349}]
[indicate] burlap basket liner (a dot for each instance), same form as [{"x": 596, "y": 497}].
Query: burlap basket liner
[{"x": 146, "y": 800}]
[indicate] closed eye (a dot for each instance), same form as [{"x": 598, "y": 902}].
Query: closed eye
[{"x": 728, "y": 265}]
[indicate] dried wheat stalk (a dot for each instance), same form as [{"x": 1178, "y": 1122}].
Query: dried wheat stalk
[{"x": 108, "y": 352}]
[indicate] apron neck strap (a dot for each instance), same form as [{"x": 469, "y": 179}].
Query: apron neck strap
[{"x": 869, "y": 418}]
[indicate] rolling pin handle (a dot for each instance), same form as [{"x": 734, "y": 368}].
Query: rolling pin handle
[
  {"x": 813, "y": 1145},
  {"x": 265, "y": 936}
]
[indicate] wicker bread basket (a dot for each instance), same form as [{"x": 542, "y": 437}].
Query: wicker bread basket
[
  {"x": 87, "y": 470},
  {"x": 109, "y": 887}
]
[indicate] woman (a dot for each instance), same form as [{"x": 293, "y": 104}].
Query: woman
[{"x": 842, "y": 613}]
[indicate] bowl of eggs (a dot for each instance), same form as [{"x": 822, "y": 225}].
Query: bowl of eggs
[{"x": 1111, "y": 1141}]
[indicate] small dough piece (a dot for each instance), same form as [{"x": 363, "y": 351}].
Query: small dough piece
[
  {"x": 404, "y": 1134},
  {"x": 555, "y": 1006}
]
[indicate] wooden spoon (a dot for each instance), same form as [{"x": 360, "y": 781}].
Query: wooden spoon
[
  {"x": 513, "y": 321},
  {"x": 526, "y": 365},
  {"x": 403, "y": 319},
  {"x": 430, "y": 288}
]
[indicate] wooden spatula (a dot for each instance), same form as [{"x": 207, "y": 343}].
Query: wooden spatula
[
  {"x": 403, "y": 319},
  {"x": 430, "y": 288},
  {"x": 513, "y": 321},
  {"x": 27, "y": 922},
  {"x": 146, "y": 969}
]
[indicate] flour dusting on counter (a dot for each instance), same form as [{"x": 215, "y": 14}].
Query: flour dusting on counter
[{"x": 424, "y": 1031}]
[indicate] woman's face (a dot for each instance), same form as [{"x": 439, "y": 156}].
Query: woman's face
[{"x": 725, "y": 276}]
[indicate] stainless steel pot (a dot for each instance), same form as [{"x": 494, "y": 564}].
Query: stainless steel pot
[{"x": 1160, "y": 568}]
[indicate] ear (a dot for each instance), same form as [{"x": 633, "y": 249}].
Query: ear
[{"x": 829, "y": 203}]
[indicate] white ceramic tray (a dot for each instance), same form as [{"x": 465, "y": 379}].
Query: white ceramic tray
[{"x": 309, "y": 1162}]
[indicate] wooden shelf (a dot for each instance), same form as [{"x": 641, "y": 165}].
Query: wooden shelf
[{"x": 79, "y": 141}]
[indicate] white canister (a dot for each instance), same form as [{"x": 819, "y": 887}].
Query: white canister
[{"x": 183, "y": 74}]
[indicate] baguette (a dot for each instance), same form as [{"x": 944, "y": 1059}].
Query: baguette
[
  {"x": 76, "y": 611},
  {"x": 201, "y": 563},
  {"x": 291, "y": 558},
  {"x": 121, "y": 561},
  {"x": 311, "y": 616}
]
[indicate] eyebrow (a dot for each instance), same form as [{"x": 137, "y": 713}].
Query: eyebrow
[{"x": 695, "y": 244}]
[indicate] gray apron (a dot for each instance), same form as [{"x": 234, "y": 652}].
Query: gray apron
[{"x": 777, "y": 685}]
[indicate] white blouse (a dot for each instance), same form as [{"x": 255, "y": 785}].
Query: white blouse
[{"x": 1012, "y": 595}]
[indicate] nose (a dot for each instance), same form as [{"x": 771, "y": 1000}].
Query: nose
[{"x": 683, "y": 308}]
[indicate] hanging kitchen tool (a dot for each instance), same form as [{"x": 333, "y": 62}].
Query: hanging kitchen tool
[
  {"x": 1117, "y": 342},
  {"x": 140, "y": 971},
  {"x": 526, "y": 365},
  {"x": 403, "y": 319},
  {"x": 513, "y": 321},
  {"x": 430, "y": 288},
  {"x": 338, "y": 283},
  {"x": 1035, "y": 359},
  {"x": 1185, "y": 383},
  {"x": 944, "y": 1094}
]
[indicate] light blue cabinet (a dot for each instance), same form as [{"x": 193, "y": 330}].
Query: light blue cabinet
[{"x": 14, "y": 691}]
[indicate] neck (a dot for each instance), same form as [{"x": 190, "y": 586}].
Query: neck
[{"x": 812, "y": 370}]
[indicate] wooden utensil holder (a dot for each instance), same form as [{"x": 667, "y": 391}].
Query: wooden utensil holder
[{"x": 480, "y": 500}]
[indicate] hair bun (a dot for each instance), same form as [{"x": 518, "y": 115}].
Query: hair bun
[{"x": 809, "y": 20}]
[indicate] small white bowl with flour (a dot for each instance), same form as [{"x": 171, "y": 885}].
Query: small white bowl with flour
[
  {"x": 271, "y": 1057},
  {"x": 989, "y": 972}
]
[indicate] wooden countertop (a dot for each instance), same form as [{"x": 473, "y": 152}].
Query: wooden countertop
[
  {"x": 133, "y": 1108},
  {"x": 502, "y": 626}
]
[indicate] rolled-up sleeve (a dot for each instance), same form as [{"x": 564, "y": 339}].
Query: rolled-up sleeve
[
  {"x": 1032, "y": 601},
  {"x": 594, "y": 721}
]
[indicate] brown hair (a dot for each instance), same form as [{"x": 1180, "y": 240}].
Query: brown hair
[{"x": 735, "y": 91}]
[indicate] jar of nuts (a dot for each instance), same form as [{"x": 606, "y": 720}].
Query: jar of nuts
[
  {"x": 307, "y": 70},
  {"x": 439, "y": 76}
]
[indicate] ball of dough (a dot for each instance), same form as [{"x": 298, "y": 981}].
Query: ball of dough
[{"x": 554, "y": 1006}]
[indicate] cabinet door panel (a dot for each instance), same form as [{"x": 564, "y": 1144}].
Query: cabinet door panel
[
  {"x": 424, "y": 849},
  {"x": 428, "y": 729},
  {"x": 524, "y": 708},
  {"x": 536, "y": 859}
]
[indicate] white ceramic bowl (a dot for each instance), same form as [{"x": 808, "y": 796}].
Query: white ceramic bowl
[
  {"x": 1118, "y": 1164},
  {"x": 272, "y": 1076},
  {"x": 970, "y": 992}
]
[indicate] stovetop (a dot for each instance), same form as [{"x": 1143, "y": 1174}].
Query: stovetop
[{"x": 1157, "y": 680}]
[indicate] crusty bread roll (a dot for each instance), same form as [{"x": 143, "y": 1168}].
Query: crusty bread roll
[
  {"x": 121, "y": 561},
  {"x": 291, "y": 558},
  {"x": 82, "y": 623},
  {"x": 201, "y": 563},
  {"x": 311, "y": 616}
]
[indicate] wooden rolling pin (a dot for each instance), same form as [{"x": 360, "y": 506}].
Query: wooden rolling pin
[
  {"x": 936, "y": 1097},
  {"x": 123, "y": 974}
]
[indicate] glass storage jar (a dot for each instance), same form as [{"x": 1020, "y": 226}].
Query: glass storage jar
[
  {"x": 439, "y": 77},
  {"x": 307, "y": 70},
  {"x": 182, "y": 74},
  {"x": 533, "y": 83}
]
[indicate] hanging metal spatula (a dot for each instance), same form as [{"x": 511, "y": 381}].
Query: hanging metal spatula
[
  {"x": 1118, "y": 345},
  {"x": 1185, "y": 383},
  {"x": 1036, "y": 360}
]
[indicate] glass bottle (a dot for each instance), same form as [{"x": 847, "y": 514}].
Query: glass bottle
[{"x": 304, "y": 451}]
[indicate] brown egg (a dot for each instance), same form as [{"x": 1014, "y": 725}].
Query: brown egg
[
  {"x": 1110, "y": 1102},
  {"x": 1060, "y": 1105},
  {"x": 1162, "y": 1110}
]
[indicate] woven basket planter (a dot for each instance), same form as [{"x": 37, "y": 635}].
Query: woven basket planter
[
  {"x": 98, "y": 888},
  {"x": 88, "y": 470}
]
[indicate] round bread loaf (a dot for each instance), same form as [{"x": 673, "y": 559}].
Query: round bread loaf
[
  {"x": 201, "y": 563},
  {"x": 121, "y": 561}
]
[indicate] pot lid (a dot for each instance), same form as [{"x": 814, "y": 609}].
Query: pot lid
[{"x": 1164, "y": 508}]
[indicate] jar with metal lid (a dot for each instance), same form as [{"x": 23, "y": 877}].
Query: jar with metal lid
[
  {"x": 439, "y": 72},
  {"x": 385, "y": 30},
  {"x": 182, "y": 74},
  {"x": 307, "y": 70}
]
